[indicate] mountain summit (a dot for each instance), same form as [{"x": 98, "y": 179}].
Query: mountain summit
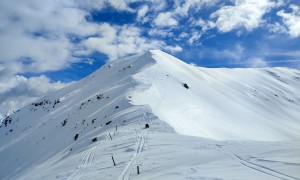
[{"x": 173, "y": 120}]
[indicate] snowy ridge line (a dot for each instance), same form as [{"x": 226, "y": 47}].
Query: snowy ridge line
[
  {"x": 256, "y": 167},
  {"x": 85, "y": 162},
  {"x": 139, "y": 147}
]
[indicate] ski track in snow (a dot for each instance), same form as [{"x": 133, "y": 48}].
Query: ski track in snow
[
  {"x": 256, "y": 167},
  {"x": 265, "y": 170},
  {"x": 127, "y": 170},
  {"x": 85, "y": 162},
  {"x": 125, "y": 175}
]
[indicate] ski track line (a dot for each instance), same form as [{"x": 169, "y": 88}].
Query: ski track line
[
  {"x": 126, "y": 171},
  {"x": 139, "y": 147},
  {"x": 85, "y": 162},
  {"x": 256, "y": 167},
  {"x": 265, "y": 169}
]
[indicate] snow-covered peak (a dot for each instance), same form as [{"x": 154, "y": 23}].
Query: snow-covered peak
[{"x": 116, "y": 102}]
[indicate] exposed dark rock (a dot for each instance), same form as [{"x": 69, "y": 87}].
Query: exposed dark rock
[{"x": 186, "y": 86}]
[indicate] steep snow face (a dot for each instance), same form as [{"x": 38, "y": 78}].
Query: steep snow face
[{"x": 222, "y": 104}]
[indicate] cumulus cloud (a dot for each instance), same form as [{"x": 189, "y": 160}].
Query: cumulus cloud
[
  {"x": 18, "y": 91},
  {"x": 183, "y": 35},
  {"x": 118, "y": 41},
  {"x": 36, "y": 35},
  {"x": 204, "y": 24},
  {"x": 247, "y": 14},
  {"x": 173, "y": 49},
  {"x": 183, "y": 7},
  {"x": 160, "y": 32},
  {"x": 34, "y": 38},
  {"x": 158, "y": 5},
  {"x": 291, "y": 20},
  {"x": 121, "y": 5},
  {"x": 180, "y": 10},
  {"x": 142, "y": 12},
  {"x": 194, "y": 36},
  {"x": 165, "y": 19},
  {"x": 276, "y": 28},
  {"x": 40, "y": 37}
]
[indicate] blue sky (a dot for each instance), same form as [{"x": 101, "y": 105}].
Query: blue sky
[{"x": 56, "y": 42}]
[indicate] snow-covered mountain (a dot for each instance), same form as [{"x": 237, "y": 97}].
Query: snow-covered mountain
[{"x": 204, "y": 124}]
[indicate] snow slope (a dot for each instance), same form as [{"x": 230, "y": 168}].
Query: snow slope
[
  {"x": 224, "y": 108},
  {"x": 252, "y": 104}
]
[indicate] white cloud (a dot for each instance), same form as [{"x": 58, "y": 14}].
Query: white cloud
[
  {"x": 18, "y": 91},
  {"x": 276, "y": 28},
  {"x": 173, "y": 49},
  {"x": 183, "y": 35},
  {"x": 180, "y": 10},
  {"x": 119, "y": 41},
  {"x": 204, "y": 24},
  {"x": 38, "y": 37},
  {"x": 142, "y": 12},
  {"x": 39, "y": 33},
  {"x": 291, "y": 20},
  {"x": 195, "y": 36},
  {"x": 183, "y": 7},
  {"x": 121, "y": 5},
  {"x": 158, "y": 5},
  {"x": 89, "y": 61},
  {"x": 191, "y": 37},
  {"x": 247, "y": 14},
  {"x": 92, "y": 4},
  {"x": 165, "y": 19},
  {"x": 160, "y": 32}
]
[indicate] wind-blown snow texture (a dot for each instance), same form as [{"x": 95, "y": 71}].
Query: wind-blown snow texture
[{"x": 240, "y": 124}]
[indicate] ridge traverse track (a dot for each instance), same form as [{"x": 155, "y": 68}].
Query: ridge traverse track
[
  {"x": 127, "y": 170},
  {"x": 139, "y": 147},
  {"x": 85, "y": 162}
]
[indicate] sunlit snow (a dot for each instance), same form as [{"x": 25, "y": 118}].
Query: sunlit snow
[{"x": 204, "y": 124}]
